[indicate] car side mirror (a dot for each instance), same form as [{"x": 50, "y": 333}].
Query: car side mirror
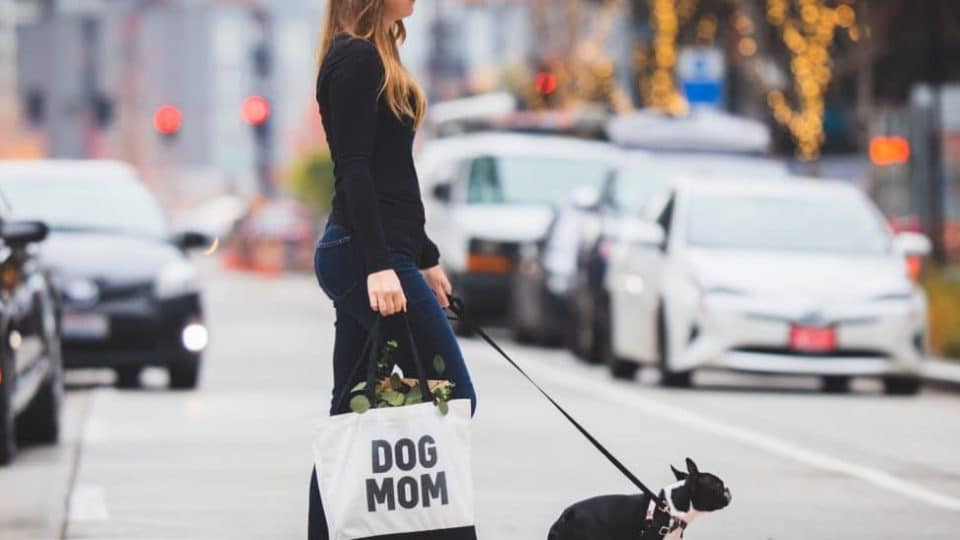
[
  {"x": 441, "y": 191},
  {"x": 192, "y": 240},
  {"x": 912, "y": 244},
  {"x": 21, "y": 233}
]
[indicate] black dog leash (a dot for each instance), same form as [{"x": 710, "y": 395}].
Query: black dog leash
[{"x": 457, "y": 308}]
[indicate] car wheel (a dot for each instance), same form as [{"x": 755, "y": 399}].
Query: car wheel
[
  {"x": 601, "y": 350},
  {"x": 836, "y": 384},
  {"x": 585, "y": 332},
  {"x": 128, "y": 377},
  {"x": 519, "y": 331},
  {"x": 40, "y": 423},
  {"x": 185, "y": 374},
  {"x": 668, "y": 377},
  {"x": 620, "y": 368},
  {"x": 8, "y": 436},
  {"x": 623, "y": 369},
  {"x": 524, "y": 336},
  {"x": 461, "y": 329},
  {"x": 901, "y": 386}
]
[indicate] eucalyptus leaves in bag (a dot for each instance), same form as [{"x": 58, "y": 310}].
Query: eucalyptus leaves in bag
[{"x": 395, "y": 391}]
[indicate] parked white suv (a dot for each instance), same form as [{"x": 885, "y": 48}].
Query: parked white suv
[{"x": 490, "y": 194}]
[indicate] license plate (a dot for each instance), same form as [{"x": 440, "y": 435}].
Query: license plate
[
  {"x": 85, "y": 325},
  {"x": 816, "y": 339}
]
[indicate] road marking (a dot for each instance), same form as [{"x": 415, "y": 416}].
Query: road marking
[
  {"x": 88, "y": 502},
  {"x": 747, "y": 437}
]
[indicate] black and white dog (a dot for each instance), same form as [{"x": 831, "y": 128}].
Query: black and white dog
[{"x": 629, "y": 517}]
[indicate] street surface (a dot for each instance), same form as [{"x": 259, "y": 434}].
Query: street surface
[{"x": 232, "y": 459}]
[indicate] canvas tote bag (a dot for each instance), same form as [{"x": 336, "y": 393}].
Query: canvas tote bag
[{"x": 396, "y": 473}]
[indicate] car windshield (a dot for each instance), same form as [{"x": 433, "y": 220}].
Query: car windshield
[
  {"x": 533, "y": 179},
  {"x": 639, "y": 181},
  {"x": 790, "y": 222},
  {"x": 709, "y": 165},
  {"x": 105, "y": 204},
  {"x": 636, "y": 185}
]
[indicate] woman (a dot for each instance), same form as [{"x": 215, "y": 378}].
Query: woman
[{"x": 374, "y": 258}]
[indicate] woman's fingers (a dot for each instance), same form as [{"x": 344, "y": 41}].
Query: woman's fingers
[
  {"x": 386, "y": 293},
  {"x": 441, "y": 296},
  {"x": 391, "y": 304},
  {"x": 447, "y": 287}
]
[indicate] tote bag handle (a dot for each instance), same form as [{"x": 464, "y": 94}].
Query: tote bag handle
[{"x": 371, "y": 348}]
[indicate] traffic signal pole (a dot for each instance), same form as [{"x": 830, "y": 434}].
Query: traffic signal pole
[{"x": 262, "y": 59}]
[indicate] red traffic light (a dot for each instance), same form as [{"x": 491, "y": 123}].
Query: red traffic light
[
  {"x": 256, "y": 110},
  {"x": 545, "y": 83},
  {"x": 167, "y": 120},
  {"x": 890, "y": 150}
]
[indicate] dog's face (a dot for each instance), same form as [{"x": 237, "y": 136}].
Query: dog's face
[{"x": 704, "y": 491}]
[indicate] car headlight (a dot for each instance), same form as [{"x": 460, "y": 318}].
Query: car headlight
[{"x": 176, "y": 279}]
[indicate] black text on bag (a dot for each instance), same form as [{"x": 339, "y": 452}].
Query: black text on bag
[{"x": 409, "y": 491}]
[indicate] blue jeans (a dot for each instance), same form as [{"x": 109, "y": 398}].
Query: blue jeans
[{"x": 340, "y": 272}]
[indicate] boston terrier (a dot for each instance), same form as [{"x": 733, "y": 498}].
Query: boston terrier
[{"x": 629, "y": 517}]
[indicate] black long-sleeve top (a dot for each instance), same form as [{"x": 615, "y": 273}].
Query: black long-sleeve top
[{"x": 376, "y": 190}]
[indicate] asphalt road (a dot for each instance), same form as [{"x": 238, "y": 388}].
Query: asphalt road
[{"x": 232, "y": 460}]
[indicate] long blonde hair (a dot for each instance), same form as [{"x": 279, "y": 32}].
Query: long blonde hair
[{"x": 364, "y": 19}]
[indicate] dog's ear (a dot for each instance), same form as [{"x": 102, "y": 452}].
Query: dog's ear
[
  {"x": 692, "y": 467},
  {"x": 679, "y": 474}
]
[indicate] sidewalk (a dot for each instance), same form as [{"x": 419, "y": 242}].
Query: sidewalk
[{"x": 942, "y": 373}]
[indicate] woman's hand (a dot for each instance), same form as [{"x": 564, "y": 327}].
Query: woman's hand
[
  {"x": 386, "y": 294},
  {"x": 438, "y": 282}
]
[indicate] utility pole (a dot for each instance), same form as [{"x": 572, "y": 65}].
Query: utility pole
[{"x": 936, "y": 74}]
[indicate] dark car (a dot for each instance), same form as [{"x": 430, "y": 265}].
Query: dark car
[
  {"x": 31, "y": 368},
  {"x": 130, "y": 296},
  {"x": 560, "y": 280},
  {"x": 546, "y": 274}
]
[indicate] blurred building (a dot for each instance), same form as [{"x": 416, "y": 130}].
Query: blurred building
[
  {"x": 15, "y": 140},
  {"x": 99, "y": 72}
]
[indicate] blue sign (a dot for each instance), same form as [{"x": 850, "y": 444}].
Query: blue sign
[{"x": 701, "y": 72}]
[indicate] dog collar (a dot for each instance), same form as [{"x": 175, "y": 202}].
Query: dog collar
[
  {"x": 660, "y": 523},
  {"x": 665, "y": 521}
]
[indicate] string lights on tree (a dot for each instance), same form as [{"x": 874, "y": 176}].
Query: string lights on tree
[
  {"x": 807, "y": 28},
  {"x": 661, "y": 88},
  {"x": 579, "y": 70}
]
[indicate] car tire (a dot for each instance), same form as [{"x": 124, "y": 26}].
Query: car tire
[
  {"x": 461, "y": 329},
  {"x": 668, "y": 377},
  {"x": 902, "y": 386},
  {"x": 600, "y": 348},
  {"x": 520, "y": 333},
  {"x": 8, "y": 434},
  {"x": 184, "y": 375},
  {"x": 40, "y": 422},
  {"x": 836, "y": 384},
  {"x": 524, "y": 336},
  {"x": 128, "y": 377},
  {"x": 620, "y": 368}
]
